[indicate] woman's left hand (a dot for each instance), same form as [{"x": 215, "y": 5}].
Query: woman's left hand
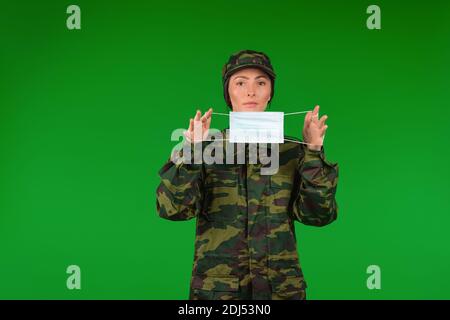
[{"x": 314, "y": 129}]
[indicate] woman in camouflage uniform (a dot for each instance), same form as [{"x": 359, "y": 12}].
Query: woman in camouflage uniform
[{"x": 246, "y": 244}]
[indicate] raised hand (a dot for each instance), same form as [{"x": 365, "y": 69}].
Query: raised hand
[
  {"x": 199, "y": 127},
  {"x": 314, "y": 129}
]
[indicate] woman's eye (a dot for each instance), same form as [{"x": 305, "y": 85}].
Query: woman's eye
[{"x": 240, "y": 83}]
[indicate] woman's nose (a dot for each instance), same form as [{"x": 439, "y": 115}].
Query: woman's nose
[{"x": 251, "y": 90}]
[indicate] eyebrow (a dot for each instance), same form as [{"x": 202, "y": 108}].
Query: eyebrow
[{"x": 261, "y": 76}]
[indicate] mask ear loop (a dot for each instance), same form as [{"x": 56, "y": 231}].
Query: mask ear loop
[
  {"x": 291, "y": 113},
  {"x": 299, "y": 142},
  {"x": 290, "y": 140},
  {"x": 294, "y": 113},
  {"x": 286, "y": 114}
]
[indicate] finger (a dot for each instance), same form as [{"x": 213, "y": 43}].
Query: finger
[
  {"x": 197, "y": 115},
  {"x": 187, "y": 136},
  {"x": 323, "y": 130},
  {"x": 316, "y": 109},
  {"x": 203, "y": 118},
  {"x": 208, "y": 121},
  {"x": 191, "y": 125},
  {"x": 207, "y": 125},
  {"x": 322, "y": 121},
  {"x": 207, "y": 115},
  {"x": 315, "y": 114},
  {"x": 308, "y": 118},
  {"x": 307, "y": 122}
]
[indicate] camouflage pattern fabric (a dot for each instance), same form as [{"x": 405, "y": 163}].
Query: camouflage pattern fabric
[
  {"x": 246, "y": 244},
  {"x": 245, "y": 59}
]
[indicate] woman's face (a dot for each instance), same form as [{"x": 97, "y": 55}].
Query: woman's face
[{"x": 249, "y": 90}]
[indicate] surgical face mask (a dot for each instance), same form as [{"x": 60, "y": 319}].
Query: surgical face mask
[{"x": 256, "y": 127}]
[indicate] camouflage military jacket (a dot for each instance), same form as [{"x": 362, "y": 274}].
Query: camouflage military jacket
[{"x": 245, "y": 244}]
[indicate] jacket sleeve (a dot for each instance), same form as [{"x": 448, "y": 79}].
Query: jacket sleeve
[
  {"x": 315, "y": 197},
  {"x": 179, "y": 194}
]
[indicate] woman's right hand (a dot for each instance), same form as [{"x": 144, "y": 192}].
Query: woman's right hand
[{"x": 199, "y": 127}]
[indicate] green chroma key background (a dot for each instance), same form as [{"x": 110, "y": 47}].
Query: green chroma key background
[{"x": 86, "y": 118}]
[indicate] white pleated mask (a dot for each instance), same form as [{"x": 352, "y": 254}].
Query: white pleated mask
[{"x": 256, "y": 127}]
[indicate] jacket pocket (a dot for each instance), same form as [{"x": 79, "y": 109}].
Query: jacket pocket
[
  {"x": 205, "y": 287},
  {"x": 289, "y": 288},
  {"x": 278, "y": 197},
  {"x": 221, "y": 201}
]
